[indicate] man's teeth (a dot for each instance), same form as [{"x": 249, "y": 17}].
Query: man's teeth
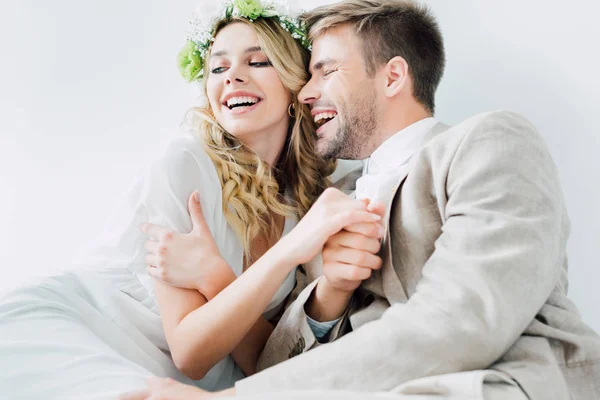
[
  {"x": 324, "y": 117},
  {"x": 241, "y": 100}
]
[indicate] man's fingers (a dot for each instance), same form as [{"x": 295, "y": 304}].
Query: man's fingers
[
  {"x": 370, "y": 229},
  {"x": 156, "y": 231},
  {"x": 354, "y": 240},
  {"x": 195, "y": 210},
  {"x": 346, "y": 255},
  {"x": 346, "y": 272},
  {"x": 139, "y": 395}
]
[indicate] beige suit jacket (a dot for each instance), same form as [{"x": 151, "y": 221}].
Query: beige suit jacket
[{"x": 473, "y": 284}]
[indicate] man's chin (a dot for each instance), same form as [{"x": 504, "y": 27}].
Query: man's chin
[{"x": 323, "y": 149}]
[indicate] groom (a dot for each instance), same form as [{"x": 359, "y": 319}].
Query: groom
[{"x": 471, "y": 299}]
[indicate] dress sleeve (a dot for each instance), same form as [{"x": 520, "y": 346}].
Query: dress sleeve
[
  {"x": 170, "y": 181},
  {"x": 159, "y": 196}
]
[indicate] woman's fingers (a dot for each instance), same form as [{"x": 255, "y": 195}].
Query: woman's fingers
[
  {"x": 352, "y": 217},
  {"x": 139, "y": 395},
  {"x": 377, "y": 207},
  {"x": 370, "y": 229},
  {"x": 153, "y": 247},
  {"x": 153, "y": 260},
  {"x": 347, "y": 218},
  {"x": 155, "y": 272},
  {"x": 156, "y": 231}
]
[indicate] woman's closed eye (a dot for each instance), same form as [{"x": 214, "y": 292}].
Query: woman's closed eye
[
  {"x": 256, "y": 64},
  {"x": 260, "y": 64}
]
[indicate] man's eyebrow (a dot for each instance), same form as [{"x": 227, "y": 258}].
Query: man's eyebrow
[
  {"x": 221, "y": 53},
  {"x": 321, "y": 63}
]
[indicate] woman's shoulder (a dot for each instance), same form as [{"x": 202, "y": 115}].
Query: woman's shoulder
[
  {"x": 186, "y": 158},
  {"x": 182, "y": 151},
  {"x": 183, "y": 167}
]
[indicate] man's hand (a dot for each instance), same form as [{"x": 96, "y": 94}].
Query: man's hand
[
  {"x": 169, "y": 389},
  {"x": 349, "y": 257}
]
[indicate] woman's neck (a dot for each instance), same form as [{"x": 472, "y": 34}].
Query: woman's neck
[{"x": 267, "y": 144}]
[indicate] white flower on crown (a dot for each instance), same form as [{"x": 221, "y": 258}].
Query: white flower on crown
[
  {"x": 281, "y": 7},
  {"x": 287, "y": 8},
  {"x": 210, "y": 9},
  {"x": 204, "y": 19}
]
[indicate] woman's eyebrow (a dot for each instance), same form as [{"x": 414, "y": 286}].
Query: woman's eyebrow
[{"x": 221, "y": 53}]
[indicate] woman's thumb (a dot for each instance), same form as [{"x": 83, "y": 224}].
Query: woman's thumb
[{"x": 195, "y": 210}]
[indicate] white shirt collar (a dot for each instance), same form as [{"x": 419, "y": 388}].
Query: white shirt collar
[{"x": 399, "y": 148}]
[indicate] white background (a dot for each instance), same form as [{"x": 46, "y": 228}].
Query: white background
[{"x": 90, "y": 94}]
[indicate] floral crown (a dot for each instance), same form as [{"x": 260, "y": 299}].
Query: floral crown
[{"x": 201, "y": 30}]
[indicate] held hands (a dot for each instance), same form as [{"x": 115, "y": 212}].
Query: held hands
[
  {"x": 190, "y": 261},
  {"x": 331, "y": 213},
  {"x": 349, "y": 256}
]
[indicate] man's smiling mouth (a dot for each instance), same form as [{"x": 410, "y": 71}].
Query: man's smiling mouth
[{"x": 324, "y": 117}]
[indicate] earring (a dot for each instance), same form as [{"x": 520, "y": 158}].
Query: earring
[{"x": 291, "y": 110}]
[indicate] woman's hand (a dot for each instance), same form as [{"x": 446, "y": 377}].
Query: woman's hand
[
  {"x": 332, "y": 212},
  {"x": 168, "y": 389},
  {"x": 190, "y": 260}
]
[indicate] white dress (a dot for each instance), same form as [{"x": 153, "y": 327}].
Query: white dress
[{"x": 95, "y": 332}]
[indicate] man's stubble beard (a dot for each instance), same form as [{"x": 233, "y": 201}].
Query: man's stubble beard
[{"x": 355, "y": 132}]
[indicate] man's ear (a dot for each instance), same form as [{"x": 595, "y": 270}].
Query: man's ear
[{"x": 396, "y": 74}]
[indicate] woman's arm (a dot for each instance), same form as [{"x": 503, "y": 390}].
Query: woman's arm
[
  {"x": 199, "y": 333},
  {"x": 191, "y": 261}
]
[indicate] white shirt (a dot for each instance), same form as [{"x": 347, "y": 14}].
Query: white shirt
[{"x": 381, "y": 170}]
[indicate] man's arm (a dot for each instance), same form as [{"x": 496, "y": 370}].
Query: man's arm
[
  {"x": 326, "y": 303},
  {"x": 348, "y": 258},
  {"x": 493, "y": 267}
]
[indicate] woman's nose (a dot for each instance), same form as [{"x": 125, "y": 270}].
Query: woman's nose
[
  {"x": 229, "y": 80},
  {"x": 234, "y": 74}
]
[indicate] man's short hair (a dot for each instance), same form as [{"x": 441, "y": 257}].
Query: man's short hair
[{"x": 390, "y": 28}]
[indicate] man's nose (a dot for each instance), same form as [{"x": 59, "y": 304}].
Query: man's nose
[{"x": 309, "y": 93}]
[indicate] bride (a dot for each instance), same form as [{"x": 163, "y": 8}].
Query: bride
[{"x": 252, "y": 172}]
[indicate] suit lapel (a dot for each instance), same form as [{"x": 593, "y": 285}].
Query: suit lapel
[{"x": 391, "y": 285}]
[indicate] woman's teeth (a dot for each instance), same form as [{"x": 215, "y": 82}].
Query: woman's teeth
[{"x": 242, "y": 101}]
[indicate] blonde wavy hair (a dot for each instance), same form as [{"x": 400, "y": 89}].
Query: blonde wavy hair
[{"x": 252, "y": 190}]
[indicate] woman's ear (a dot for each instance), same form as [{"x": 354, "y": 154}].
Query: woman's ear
[{"x": 396, "y": 73}]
